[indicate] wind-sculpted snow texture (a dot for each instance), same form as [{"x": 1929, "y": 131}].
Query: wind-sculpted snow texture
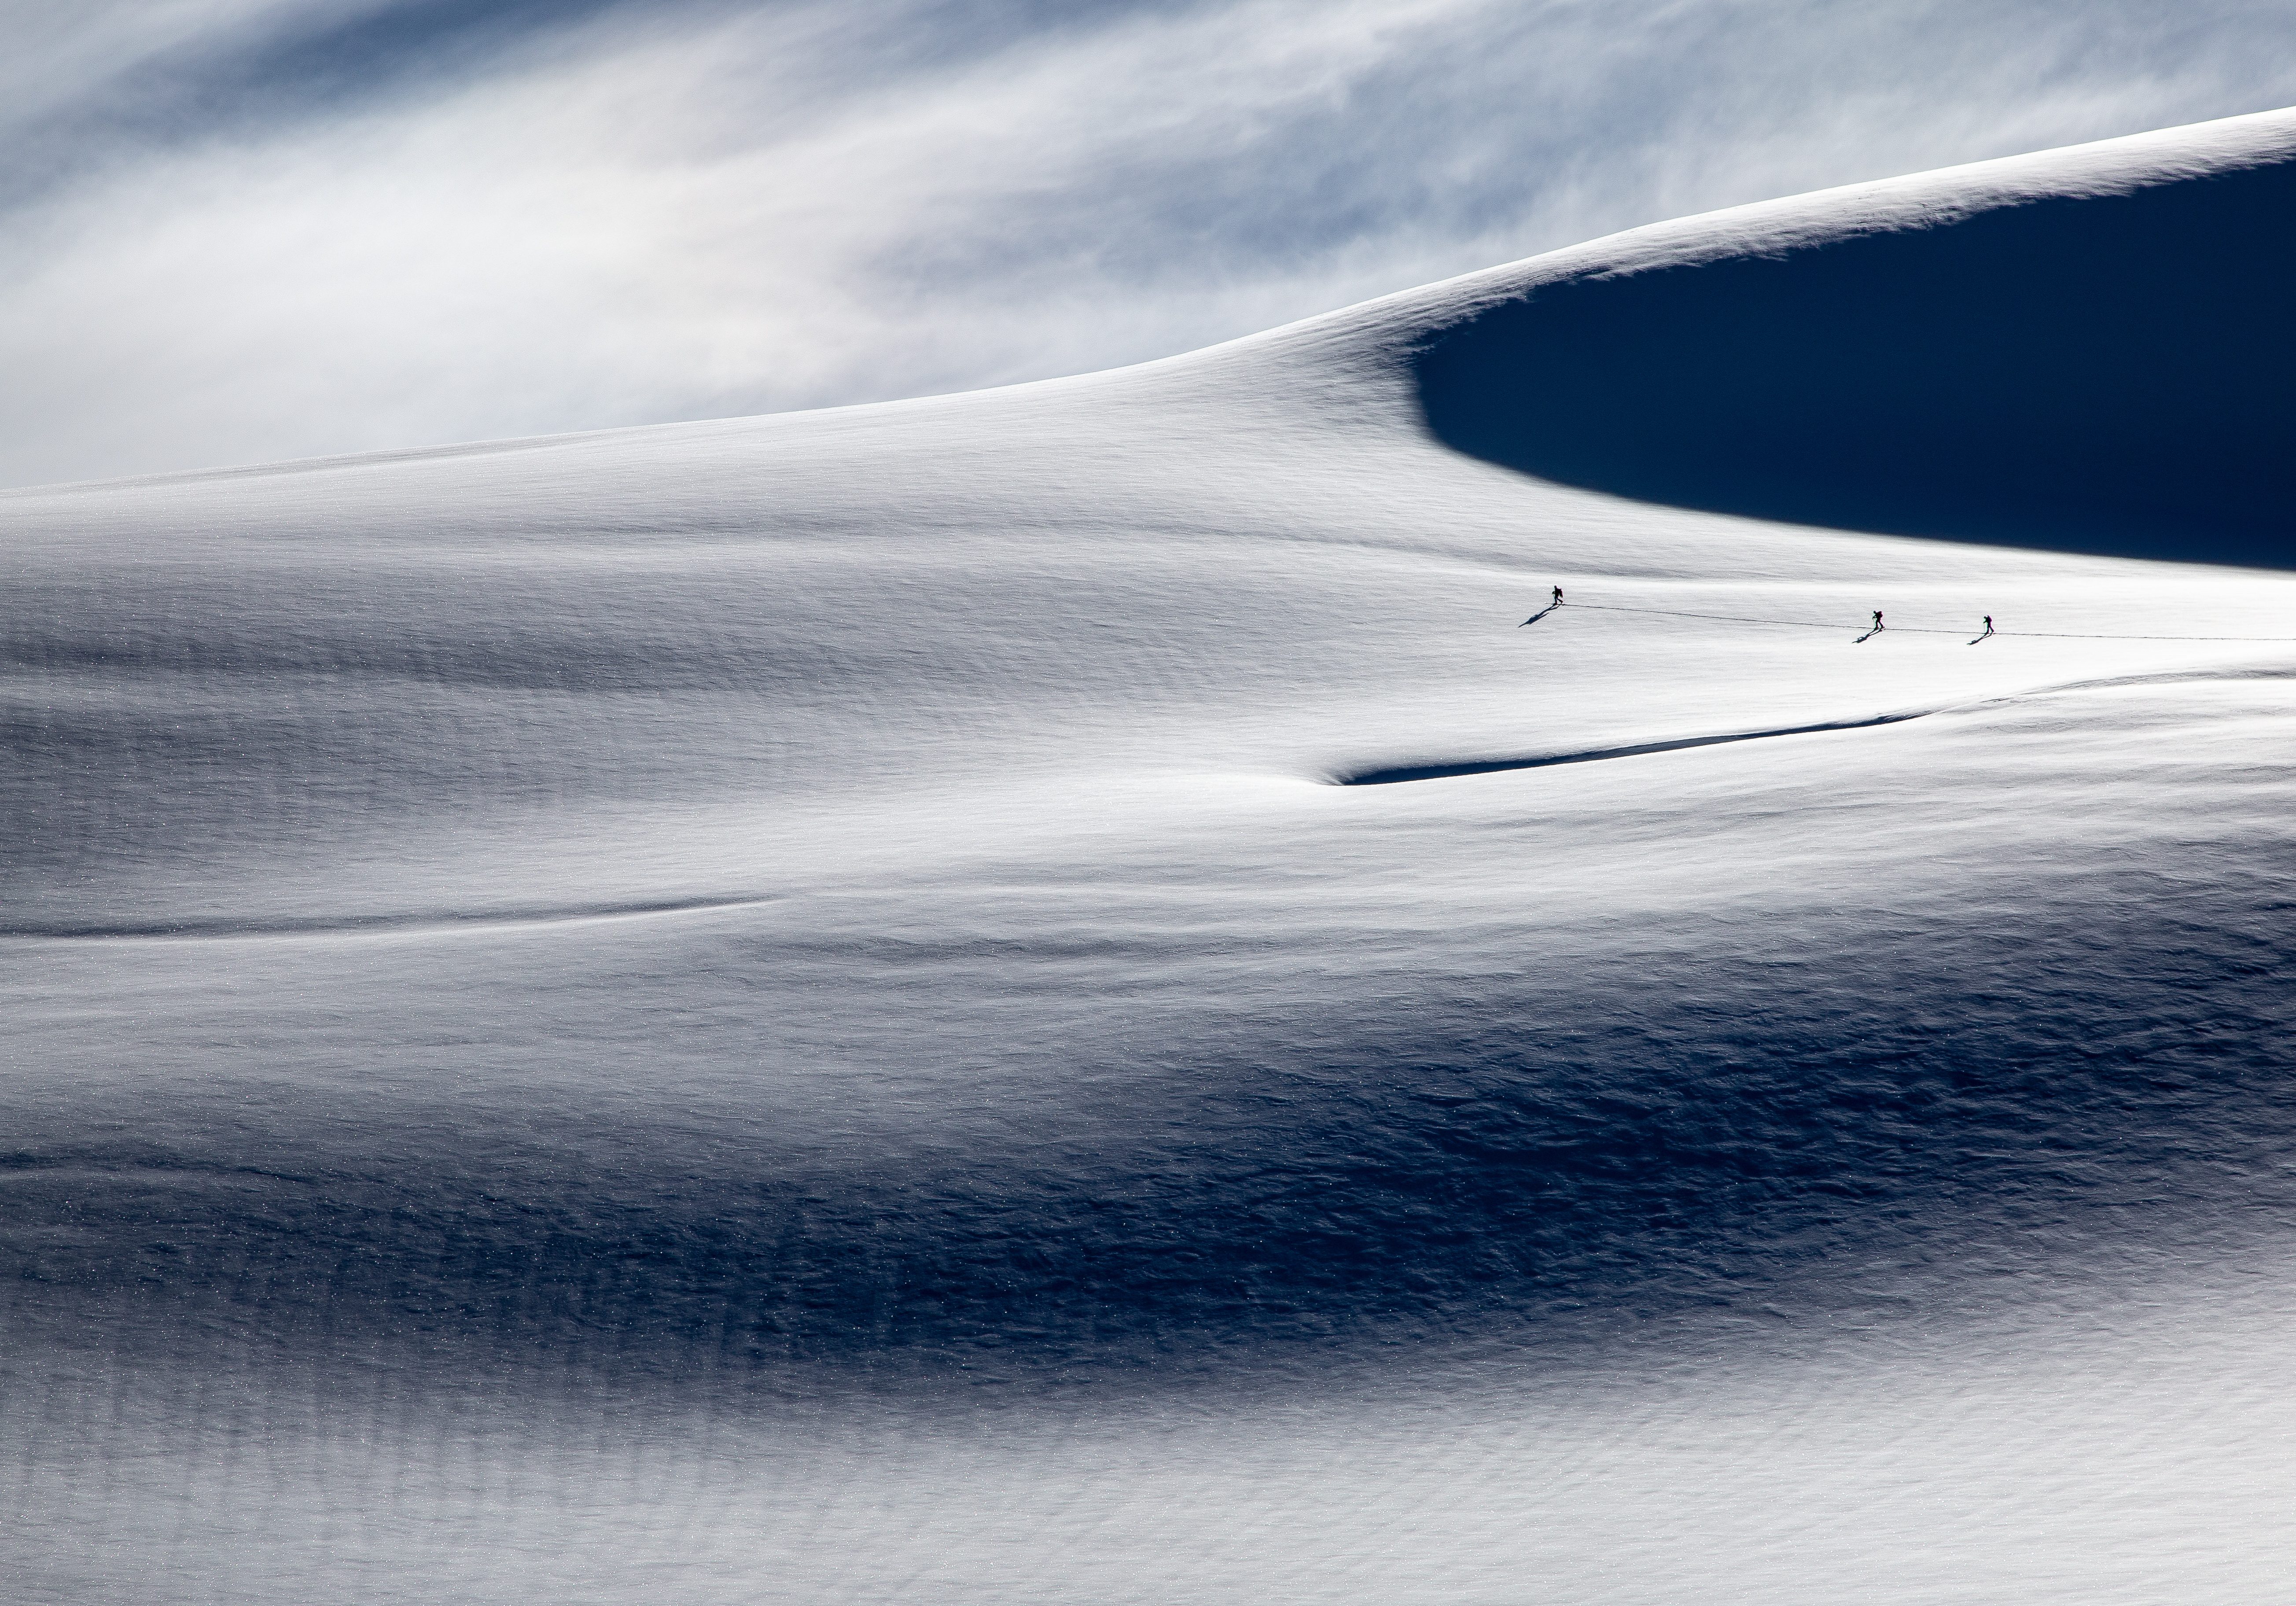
[{"x": 799, "y": 1009}]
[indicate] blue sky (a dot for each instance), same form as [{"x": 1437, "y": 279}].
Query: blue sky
[{"x": 241, "y": 230}]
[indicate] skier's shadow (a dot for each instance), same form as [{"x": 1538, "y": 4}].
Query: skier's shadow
[{"x": 1541, "y": 614}]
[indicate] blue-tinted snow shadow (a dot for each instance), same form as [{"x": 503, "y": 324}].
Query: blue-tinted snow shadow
[
  {"x": 2112, "y": 375},
  {"x": 1952, "y": 1110},
  {"x": 1397, "y": 775}
]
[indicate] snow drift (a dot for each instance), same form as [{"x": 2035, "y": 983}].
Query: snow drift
[{"x": 816, "y": 963}]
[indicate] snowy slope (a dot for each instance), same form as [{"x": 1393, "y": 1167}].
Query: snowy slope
[{"x": 789, "y": 1008}]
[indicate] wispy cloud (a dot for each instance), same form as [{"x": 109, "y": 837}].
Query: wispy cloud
[{"x": 245, "y": 229}]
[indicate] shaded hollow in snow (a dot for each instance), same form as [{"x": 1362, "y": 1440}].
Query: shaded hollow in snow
[{"x": 2108, "y": 373}]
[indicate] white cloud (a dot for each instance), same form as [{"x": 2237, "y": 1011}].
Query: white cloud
[{"x": 649, "y": 215}]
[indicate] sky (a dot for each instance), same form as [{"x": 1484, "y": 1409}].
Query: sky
[{"x": 236, "y": 230}]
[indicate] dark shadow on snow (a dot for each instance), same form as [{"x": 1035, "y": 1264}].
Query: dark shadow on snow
[
  {"x": 1728, "y": 1121},
  {"x": 1487, "y": 767},
  {"x": 2112, "y": 376}
]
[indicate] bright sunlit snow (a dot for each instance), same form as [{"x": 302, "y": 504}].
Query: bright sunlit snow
[{"x": 799, "y": 1008}]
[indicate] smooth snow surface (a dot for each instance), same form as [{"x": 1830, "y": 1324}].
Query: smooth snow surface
[{"x": 795, "y": 1009}]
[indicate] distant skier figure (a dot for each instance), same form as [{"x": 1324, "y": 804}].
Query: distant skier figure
[
  {"x": 1543, "y": 612},
  {"x": 1877, "y": 621},
  {"x": 1984, "y": 632}
]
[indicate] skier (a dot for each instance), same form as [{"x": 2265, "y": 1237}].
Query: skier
[
  {"x": 1989, "y": 627},
  {"x": 1877, "y": 621},
  {"x": 1557, "y": 603}
]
